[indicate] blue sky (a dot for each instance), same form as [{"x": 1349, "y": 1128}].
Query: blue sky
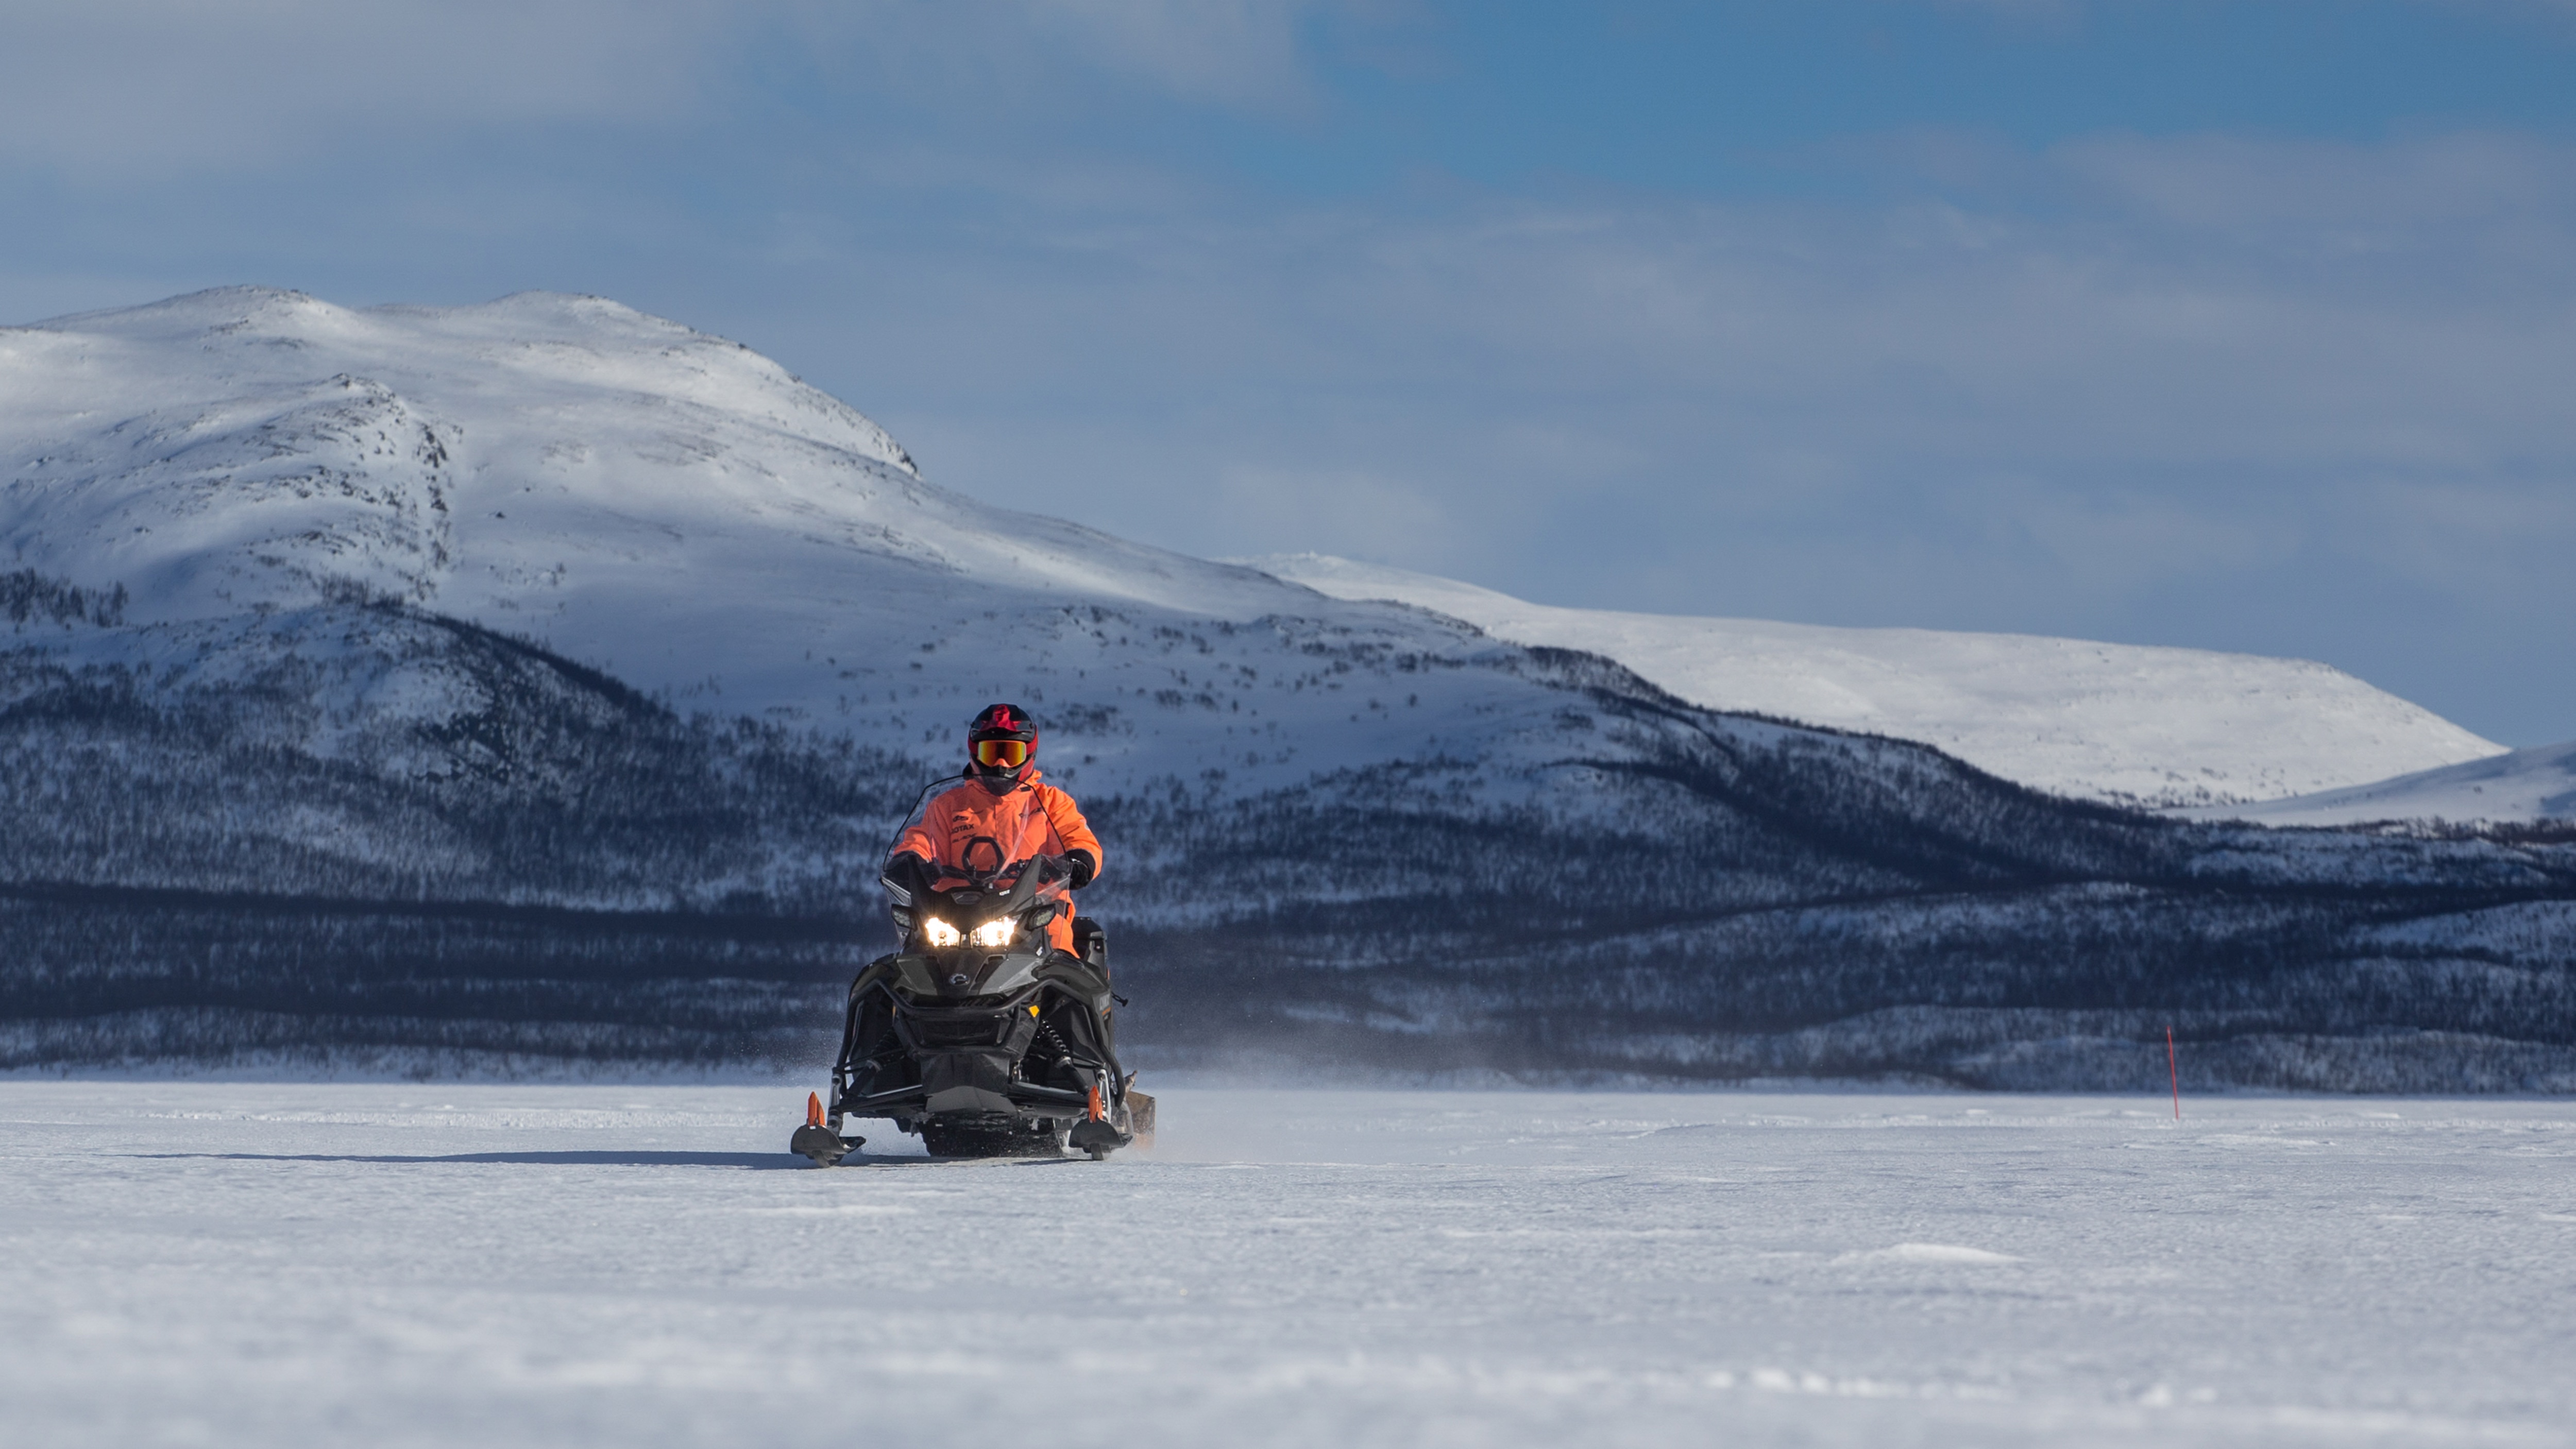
[{"x": 2241, "y": 326}]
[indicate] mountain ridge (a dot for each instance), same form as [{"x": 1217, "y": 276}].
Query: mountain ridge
[
  {"x": 2148, "y": 726},
  {"x": 2535, "y": 787}
]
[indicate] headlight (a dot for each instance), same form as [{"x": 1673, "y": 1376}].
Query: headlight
[
  {"x": 940, "y": 934},
  {"x": 994, "y": 935}
]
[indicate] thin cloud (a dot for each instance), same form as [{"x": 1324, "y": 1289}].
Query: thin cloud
[
  {"x": 147, "y": 85},
  {"x": 1236, "y": 53}
]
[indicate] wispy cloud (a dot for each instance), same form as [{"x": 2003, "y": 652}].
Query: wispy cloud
[
  {"x": 1230, "y": 52},
  {"x": 146, "y": 85}
]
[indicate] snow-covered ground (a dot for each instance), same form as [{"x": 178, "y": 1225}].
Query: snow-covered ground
[
  {"x": 2525, "y": 785},
  {"x": 226, "y": 1263},
  {"x": 2136, "y": 724}
]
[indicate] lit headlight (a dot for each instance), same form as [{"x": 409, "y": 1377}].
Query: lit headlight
[
  {"x": 940, "y": 934},
  {"x": 994, "y": 935}
]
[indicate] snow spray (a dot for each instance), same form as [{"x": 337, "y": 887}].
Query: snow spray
[{"x": 2174, "y": 1066}]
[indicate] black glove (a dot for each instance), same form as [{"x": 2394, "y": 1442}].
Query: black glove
[
  {"x": 1080, "y": 865},
  {"x": 911, "y": 873}
]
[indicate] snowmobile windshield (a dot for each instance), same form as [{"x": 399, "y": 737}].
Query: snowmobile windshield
[{"x": 986, "y": 914}]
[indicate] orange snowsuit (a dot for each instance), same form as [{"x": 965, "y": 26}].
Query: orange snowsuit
[{"x": 968, "y": 826}]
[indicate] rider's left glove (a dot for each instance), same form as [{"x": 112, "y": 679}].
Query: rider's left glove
[{"x": 1082, "y": 867}]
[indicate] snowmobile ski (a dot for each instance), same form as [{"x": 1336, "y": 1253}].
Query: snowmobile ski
[{"x": 819, "y": 1143}]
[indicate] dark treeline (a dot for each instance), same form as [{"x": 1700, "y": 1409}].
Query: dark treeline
[
  {"x": 360, "y": 834},
  {"x": 253, "y": 842},
  {"x": 1801, "y": 903},
  {"x": 134, "y": 977},
  {"x": 28, "y": 597},
  {"x": 286, "y": 758}
]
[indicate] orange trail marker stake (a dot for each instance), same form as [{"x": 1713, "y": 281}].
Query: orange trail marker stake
[
  {"x": 2175, "y": 1067},
  {"x": 813, "y": 1109}
]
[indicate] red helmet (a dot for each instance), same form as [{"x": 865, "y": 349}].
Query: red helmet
[{"x": 1006, "y": 734}]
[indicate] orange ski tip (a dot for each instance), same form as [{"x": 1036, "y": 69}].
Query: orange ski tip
[{"x": 813, "y": 1109}]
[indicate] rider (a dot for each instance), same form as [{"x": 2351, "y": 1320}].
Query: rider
[{"x": 1004, "y": 814}]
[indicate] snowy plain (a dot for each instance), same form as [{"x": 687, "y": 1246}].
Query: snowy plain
[{"x": 207, "y": 1262}]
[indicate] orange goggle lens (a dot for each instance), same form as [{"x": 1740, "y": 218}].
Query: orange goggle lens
[{"x": 1001, "y": 754}]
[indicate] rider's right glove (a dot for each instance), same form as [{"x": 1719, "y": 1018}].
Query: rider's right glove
[
  {"x": 1082, "y": 866},
  {"x": 910, "y": 872}
]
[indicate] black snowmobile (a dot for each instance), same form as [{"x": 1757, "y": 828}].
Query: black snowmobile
[{"x": 979, "y": 1035}]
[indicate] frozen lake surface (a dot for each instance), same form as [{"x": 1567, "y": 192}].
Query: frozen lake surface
[{"x": 300, "y": 1264}]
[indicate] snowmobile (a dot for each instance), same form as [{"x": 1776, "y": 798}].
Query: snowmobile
[{"x": 980, "y": 1036}]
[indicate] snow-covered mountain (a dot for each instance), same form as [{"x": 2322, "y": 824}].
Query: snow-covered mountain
[
  {"x": 2521, "y": 786},
  {"x": 293, "y": 760},
  {"x": 675, "y": 510},
  {"x": 682, "y": 513},
  {"x": 2126, "y": 723}
]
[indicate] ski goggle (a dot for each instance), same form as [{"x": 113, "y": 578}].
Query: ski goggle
[{"x": 1001, "y": 754}]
